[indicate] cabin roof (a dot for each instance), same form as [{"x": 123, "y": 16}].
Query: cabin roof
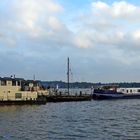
[
  {"x": 19, "y": 79},
  {"x": 11, "y": 79}
]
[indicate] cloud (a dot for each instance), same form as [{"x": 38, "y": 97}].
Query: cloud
[
  {"x": 124, "y": 9},
  {"x": 29, "y": 11},
  {"x": 114, "y": 24},
  {"x": 83, "y": 40},
  {"x": 30, "y": 19},
  {"x": 136, "y": 35},
  {"x": 100, "y": 7},
  {"x": 28, "y": 14},
  {"x": 102, "y": 36},
  {"x": 120, "y": 9},
  {"x": 104, "y": 25}
]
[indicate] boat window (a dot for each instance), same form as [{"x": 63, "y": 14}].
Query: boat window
[
  {"x": 3, "y": 82},
  {"x": 18, "y": 95},
  {"x": 14, "y": 83},
  {"x": 18, "y": 83},
  {"x": 127, "y": 91},
  {"x": 138, "y": 90},
  {"x": 131, "y": 90}
]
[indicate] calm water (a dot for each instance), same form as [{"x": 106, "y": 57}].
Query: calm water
[{"x": 101, "y": 120}]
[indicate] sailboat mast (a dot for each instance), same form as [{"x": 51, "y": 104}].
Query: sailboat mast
[{"x": 68, "y": 73}]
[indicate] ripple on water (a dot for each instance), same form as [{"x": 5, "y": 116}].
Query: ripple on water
[{"x": 72, "y": 121}]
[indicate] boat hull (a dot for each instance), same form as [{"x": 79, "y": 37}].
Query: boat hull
[
  {"x": 10, "y": 102},
  {"x": 108, "y": 97},
  {"x": 39, "y": 101}
]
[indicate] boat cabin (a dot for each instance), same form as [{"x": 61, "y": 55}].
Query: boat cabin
[
  {"x": 18, "y": 89},
  {"x": 129, "y": 90}
]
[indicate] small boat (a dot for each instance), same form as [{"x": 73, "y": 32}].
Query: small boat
[{"x": 116, "y": 93}]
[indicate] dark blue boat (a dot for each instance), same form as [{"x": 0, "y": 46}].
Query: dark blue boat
[{"x": 102, "y": 94}]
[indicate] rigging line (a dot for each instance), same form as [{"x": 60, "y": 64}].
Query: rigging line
[{"x": 71, "y": 74}]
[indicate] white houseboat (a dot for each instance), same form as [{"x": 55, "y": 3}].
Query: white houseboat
[{"x": 131, "y": 90}]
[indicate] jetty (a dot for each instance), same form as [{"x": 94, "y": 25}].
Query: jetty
[{"x": 65, "y": 97}]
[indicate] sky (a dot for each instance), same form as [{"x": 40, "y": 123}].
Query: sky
[{"x": 101, "y": 38}]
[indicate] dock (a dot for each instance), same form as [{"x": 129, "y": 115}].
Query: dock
[
  {"x": 67, "y": 98},
  {"x": 64, "y": 97}
]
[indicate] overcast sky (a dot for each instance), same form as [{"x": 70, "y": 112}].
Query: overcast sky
[{"x": 101, "y": 38}]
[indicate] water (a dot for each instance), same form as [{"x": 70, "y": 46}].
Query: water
[{"x": 90, "y": 120}]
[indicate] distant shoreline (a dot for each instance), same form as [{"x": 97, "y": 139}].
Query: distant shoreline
[{"x": 62, "y": 84}]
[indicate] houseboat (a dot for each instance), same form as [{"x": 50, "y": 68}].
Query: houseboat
[
  {"x": 116, "y": 93},
  {"x": 20, "y": 91}
]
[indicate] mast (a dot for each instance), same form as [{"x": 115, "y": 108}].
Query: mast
[
  {"x": 34, "y": 77},
  {"x": 68, "y": 73}
]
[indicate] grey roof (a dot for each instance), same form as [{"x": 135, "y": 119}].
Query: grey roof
[
  {"x": 11, "y": 79},
  {"x": 18, "y": 79}
]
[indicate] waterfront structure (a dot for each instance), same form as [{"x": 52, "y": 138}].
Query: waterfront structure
[{"x": 18, "y": 89}]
